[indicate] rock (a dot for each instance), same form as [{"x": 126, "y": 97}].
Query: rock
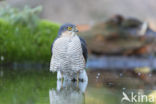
[{"x": 120, "y": 36}]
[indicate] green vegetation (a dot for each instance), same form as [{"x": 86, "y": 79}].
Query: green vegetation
[
  {"x": 26, "y": 17},
  {"x": 24, "y": 37}
]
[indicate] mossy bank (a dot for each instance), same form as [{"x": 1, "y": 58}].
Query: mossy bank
[{"x": 22, "y": 44}]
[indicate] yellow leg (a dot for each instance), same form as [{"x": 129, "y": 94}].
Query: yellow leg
[
  {"x": 62, "y": 81},
  {"x": 78, "y": 79}
]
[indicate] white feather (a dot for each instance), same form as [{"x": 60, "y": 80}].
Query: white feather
[{"x": 67, "y": 56}]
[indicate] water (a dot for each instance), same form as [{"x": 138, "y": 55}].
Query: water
[{"x": 39, "y": 86}]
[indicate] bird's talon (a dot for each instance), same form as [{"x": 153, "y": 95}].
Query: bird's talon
[
  {"x": 74, "y": 80},
  {"x": 81, "y": 80}
]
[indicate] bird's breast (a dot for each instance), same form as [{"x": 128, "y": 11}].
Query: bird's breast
[{"x": 67, "y": 46}]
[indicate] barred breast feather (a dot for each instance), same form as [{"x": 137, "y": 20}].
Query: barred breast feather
[{"x": 67, "y": 55}]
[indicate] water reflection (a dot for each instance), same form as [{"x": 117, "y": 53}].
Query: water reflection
[{"x": 68, "y": 93}]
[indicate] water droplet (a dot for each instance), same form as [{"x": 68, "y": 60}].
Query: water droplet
[
  {"x": 110, "y": 84},
  {"x": 17, "y": 29},
  {"x": 2, "y": 58},
  {"x": 98, "y": 74},
  {"x": 150, "y": 75},
  {"x": 1, "y": 73},
  {"x": 121, "y": 74},
  {"x": 23, "y": 48},
  {"x": 139, "y": 74}
]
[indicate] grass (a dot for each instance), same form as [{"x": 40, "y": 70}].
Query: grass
[{"x": 22, "y": 44}]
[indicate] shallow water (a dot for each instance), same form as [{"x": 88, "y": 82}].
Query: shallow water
[{"x": 39, "y": 86}]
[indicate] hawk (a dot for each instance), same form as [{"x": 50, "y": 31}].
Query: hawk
[{"x": 69, "y": 54}]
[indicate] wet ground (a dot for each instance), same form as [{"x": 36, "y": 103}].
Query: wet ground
[{"x": 39, "y": 86}]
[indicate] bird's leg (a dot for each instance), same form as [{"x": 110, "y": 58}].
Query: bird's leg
[
  {"x": 59, "y": 85},
  {"x": 83, "y": 76},
  {"x": 78, "y": 79},
  {"x": 62, "y": 80},
  {"x": 59, "y": 75}
]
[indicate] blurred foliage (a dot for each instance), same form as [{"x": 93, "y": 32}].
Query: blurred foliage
[
  {"x": 26, "y": 17},
  {"x": 18, "y": 43}
]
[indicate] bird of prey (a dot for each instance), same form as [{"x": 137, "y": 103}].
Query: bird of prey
[{"x": 69, "y": 54}]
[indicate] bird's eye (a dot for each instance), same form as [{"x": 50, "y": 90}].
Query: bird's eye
[{"x": 69, "y": 28}]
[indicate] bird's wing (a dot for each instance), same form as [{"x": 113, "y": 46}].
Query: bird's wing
[
  {"x": 84, "y": 48},
  {"x": 52, "y": 46},
  {"x": 51, "y": 62}
]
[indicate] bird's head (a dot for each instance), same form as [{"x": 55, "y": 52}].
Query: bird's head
[{"x": 67, "y": 30}]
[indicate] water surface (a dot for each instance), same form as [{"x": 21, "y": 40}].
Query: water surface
[{"x": 39, "y": 86}]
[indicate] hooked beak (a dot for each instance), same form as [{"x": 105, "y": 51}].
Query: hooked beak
[{"x": 76, "y": 30}]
